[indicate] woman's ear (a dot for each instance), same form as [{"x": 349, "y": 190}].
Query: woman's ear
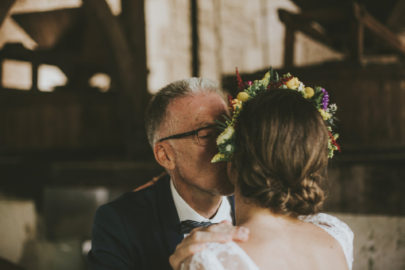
[{"x": 164, "y": 155}]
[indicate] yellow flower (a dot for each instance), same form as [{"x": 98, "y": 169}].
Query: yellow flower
[
  {"x": 308, "y": 92},
  {"x": 243, "y": 96},
  {"x": 217, "y": 158},
  {"x": 325, "y": 115},
  {"x": 293, "y": 83},
  {"x": 266, "y": 78}
]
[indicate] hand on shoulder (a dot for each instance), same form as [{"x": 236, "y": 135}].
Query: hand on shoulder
[{"x": 222, "y": 232}]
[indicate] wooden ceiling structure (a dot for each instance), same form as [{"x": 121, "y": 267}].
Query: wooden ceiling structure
[
  {"x": 77, "y": 135},
  {"x": 355, "y": 28},
  {"x": 84, "y": 41}
]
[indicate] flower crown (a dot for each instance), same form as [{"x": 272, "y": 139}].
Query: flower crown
[{"x": 248, "y": 90}]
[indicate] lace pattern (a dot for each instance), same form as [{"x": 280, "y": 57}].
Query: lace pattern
[
  {"x": 220, "y": 257},
  {"x": 337, "y": 229},
  {"x": 231, "y": 256}
]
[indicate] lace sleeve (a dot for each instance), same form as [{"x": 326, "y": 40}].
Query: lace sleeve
[
  {"x": 336, "y": 228},
  {"x": 220, "y": 256}
]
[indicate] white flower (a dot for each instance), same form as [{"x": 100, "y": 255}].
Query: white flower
[
  {"x": 333, "y": 107},
  {"x": 301, "y": 87},
  {"x": 225, "y": 135}
]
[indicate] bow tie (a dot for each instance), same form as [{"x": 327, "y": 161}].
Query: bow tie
[{"x": 187, "y": 226}]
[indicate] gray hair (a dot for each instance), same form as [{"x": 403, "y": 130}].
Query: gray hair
[{"x": 157, "y": 108}]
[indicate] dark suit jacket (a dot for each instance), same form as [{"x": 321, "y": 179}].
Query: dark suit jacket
[{"x": 139, "y": 230}]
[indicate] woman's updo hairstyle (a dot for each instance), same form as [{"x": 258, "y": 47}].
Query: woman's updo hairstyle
[{"x": 281, "y": 144}]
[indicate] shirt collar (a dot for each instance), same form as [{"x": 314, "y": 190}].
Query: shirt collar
[{"x": 185, "y": 211}]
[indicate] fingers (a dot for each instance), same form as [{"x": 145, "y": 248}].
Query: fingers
[
  {"x": 182, "y": 252},
  {"x": 227, "y": 231},
  {"x": 221, "y": 233},
  {"x": 201, "y": 236},
  {"x": 194, "y": 243}
]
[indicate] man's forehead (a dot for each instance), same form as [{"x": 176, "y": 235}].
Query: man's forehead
[{"x": 196, "y": 107}]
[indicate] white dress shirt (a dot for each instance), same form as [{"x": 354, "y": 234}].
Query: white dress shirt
[{"x": 185, "y": 211}]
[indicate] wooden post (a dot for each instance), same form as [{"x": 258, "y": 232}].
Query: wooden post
[
  {"x": 34, "y": 68},
  {"x": 376, "y": 28},
  {"x": 1, "y": 69},
  {"x": 289, "y": 37},
  {"x": 357, "y": 44},
  {"x": 195, "y": 59},
  {"x": 133, "y": 20},
  {"x": 131, "y": 102},
  {"x": 289, "y": 41}
]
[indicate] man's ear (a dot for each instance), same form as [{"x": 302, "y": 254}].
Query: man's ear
[{"x": 164, "y": 155}]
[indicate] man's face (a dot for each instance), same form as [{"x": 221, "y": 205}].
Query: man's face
[{"x": 194, "y": 169}]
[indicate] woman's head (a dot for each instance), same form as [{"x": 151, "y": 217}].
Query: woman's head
[{"x": 281, "y": 153}]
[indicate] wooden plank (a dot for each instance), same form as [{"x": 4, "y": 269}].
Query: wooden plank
[{"x": 322, "y": 15}]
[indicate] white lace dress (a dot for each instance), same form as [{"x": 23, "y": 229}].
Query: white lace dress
[{"x": 230, "y": 256}]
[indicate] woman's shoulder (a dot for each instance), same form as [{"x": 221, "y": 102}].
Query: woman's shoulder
[
  {"x": 337, "y": 229},
  {"x": 220, "y": 256},
  {"x": 334, "y": 226}
]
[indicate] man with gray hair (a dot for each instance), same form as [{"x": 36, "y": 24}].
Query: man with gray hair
[{"x": 141, "y": 229}]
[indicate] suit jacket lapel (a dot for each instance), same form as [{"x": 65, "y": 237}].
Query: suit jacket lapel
[{"x": 168, "y": 216}]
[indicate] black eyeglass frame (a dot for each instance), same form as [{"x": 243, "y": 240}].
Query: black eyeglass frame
[{"x": 186, "y": 134}]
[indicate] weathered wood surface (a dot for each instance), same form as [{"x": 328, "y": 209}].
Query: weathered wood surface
[
  {"x": 342, "y": 28},
  {"x": 370, "y": 101},
  {"x": 64, "y": 121}
]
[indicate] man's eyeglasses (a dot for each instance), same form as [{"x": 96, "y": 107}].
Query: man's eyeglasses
[{"x": 203, "y": 136}]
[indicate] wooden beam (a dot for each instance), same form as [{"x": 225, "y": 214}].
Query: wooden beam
[
  {"x": 322, "y": 15},
  {"x": 378, "y": 29},
  {"x": 133, "y": 21},
  {"x": 5, "y": 6},
  {"x": 306, "y": 26},
  {"x": 195, "y": 59},
  {"x": 130, "y": 109},
  {"x": 357, "y": 44},
  {"x": 289, "y": 42},
  {"x": 34, "y": 72},
  {"x": 117, "y": 41},
  {"x": 396, "y": 20}
]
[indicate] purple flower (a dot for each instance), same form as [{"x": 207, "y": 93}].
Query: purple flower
[{"x": 325, "y": 99}]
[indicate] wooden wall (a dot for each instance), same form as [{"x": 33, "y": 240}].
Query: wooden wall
[
  {"x": 35, "y": 121},
  {"x": 370, "y": 101}
]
